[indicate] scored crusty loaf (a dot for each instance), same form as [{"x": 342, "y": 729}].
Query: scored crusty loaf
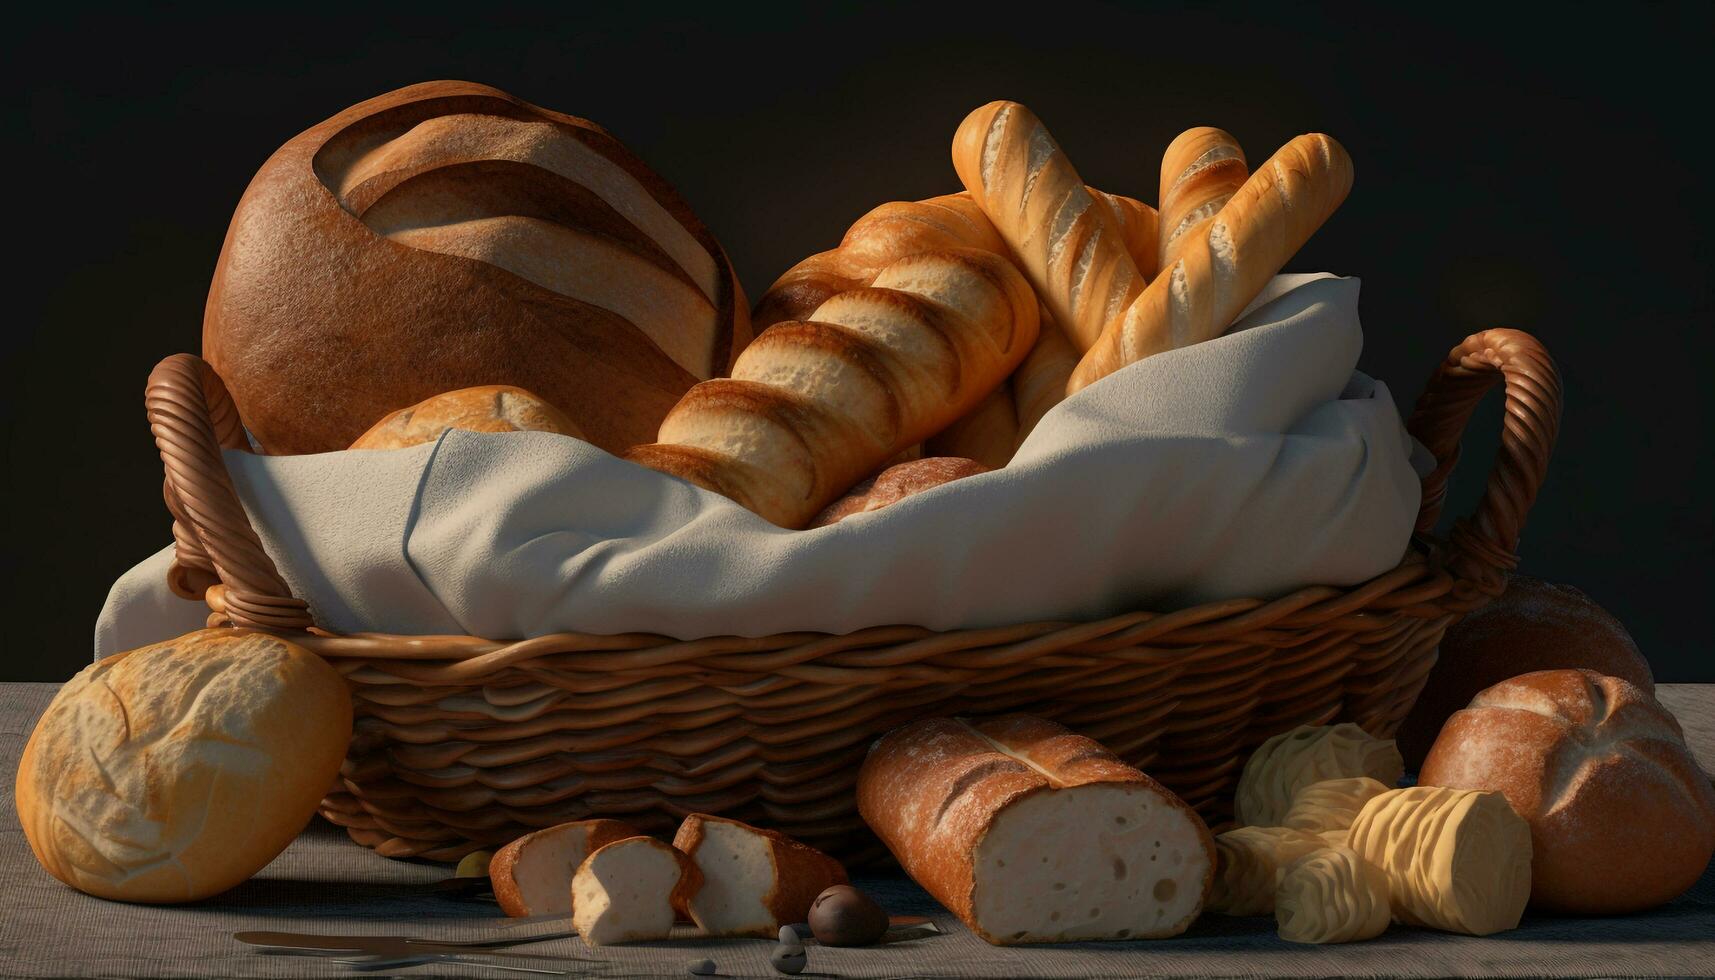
[
  {"x": 533, "y": 874},
  {"x": 488, "y": 408},
  {"x": 1070, "y": 248},
  {"x": 175, "y": 771},
  {"x": 991, "y": 431},
  {"x": 754, "y": 880},
  {"x": 1456, "y": 860},
  {"x": 815, "y": 405},
  {"x": 1287, "y": 763},
  {"x": 1201, "y": 170},
  {"x": 446, "y": 235},
  {"x": 632, "y": 890},
  {"x": 1224, "y": 262},
  {"x": 1029, "y": 833},
  {"x": 1621, "y": 817}
]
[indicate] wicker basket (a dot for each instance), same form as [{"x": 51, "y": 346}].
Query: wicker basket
[{"x": 463, "y": 742}]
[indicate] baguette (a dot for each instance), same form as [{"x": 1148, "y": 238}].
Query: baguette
[
  {"x": 1223, "y": 263},
  {"x": 986, "y": 433},
  {"x": 1201, "y": 170},
  {"x": 1029, "y": 833},
  {"x": 1072, "y": 251},
  {"x": 815, "y": 405}
]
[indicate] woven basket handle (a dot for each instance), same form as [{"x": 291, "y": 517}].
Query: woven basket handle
[
  {"x": 1484, "y": 546},
  {"x": 218, "y": 555}
]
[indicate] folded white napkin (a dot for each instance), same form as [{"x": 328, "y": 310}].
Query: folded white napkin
[{"x": 1250, "y": 465}]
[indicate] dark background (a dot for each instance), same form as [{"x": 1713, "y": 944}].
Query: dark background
[{"x": 1538, "y": 173}]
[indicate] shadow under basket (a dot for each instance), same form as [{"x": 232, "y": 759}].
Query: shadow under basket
[{"x": 463, "y": 743}]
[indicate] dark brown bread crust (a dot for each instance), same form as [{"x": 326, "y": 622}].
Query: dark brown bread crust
[
  {"x": 320, "y": 326},
  {"x": 1533, "y": 625}
]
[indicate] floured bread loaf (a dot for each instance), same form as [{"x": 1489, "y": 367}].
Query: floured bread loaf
[
  {"x": 175, "y": 771},
  {"x": 1308, "y": 754},
  {"x": 445, "y": 235},
  {"x": 1331, "y": 896},
  {"x": 632, "y": 890},
  {"x": 533, "y": 874},
  {"x": 1249, "y": 862},
  {"x": 490, "y": 408},
  {"x": 1031, "y": 834},
  {"x": 1457, "y": 860},
  {"x": 1621, "y": 817},
  {"x": 754, "y": 881},
  {"x": 1331, "y": 804}
]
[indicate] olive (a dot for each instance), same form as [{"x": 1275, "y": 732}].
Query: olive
[
  {"x": 789, "y": 959},
  {"x": 844, "y": 916}
]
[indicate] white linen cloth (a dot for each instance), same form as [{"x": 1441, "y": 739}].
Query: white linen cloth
[{"x": 1250, "y": 465}]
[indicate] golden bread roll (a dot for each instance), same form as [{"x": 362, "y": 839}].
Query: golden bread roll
[
  {"x": 1291, "y": 761},
  {"x": 1070, "y": 247},
  {"x": 448, "y": 234},
  {"x": 1331, "y": 896},
  {"x": 814, "y": 406},
  {"x": 1223, "y": 263},
  {"x": 1331, "y": 804},
  {"x": 988, "y": 433},
  {"x": 175, "y": 771},
  {"x": 1200, "y": 172},
  {"x": 489, "y": 408},
  {"x": 1456, "y": 860},
  {"x": 895, "y": 483},
  {"x": 1249, "y": 862},
  {"x": 1622, "y": 819}
]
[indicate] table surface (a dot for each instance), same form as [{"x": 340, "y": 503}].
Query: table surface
[{"x": 324, "y": 883}]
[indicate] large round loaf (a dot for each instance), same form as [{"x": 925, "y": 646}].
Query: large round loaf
[
  {"x": 448, "y": 235},
  {"x": 175, "y": 771},
  {"x": 1621, "y": 818}
]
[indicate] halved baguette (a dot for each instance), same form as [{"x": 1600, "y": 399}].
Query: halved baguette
[
  {"x": 632, "y": 890},
  {"x": 754, "y": 880},
  {"x": 1032, "y": 834},
  {"x": 533, "y": 874}
]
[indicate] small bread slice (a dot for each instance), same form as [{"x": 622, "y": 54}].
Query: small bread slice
[
  {"x": 533, "y": 874},
  {"x": 754, "y": 880},
  {"x": 632, "y": 890}
]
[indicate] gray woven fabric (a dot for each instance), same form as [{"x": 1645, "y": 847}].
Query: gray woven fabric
[{"x": 324, "y": 883}]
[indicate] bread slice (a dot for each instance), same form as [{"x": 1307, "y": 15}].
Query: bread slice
[
  {"x": 754, "y": 880},
  {"x": 632, "y": 890},
  {"x": 533, "y": 874}
]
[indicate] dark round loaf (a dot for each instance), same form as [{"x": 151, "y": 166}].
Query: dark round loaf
[
  {"x": 1533, "y": 625},
  {"x": 447, "y": 235}
]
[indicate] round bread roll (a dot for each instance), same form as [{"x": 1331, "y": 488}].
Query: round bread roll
[
  {"x": 175, "y": 771},
  {"x": 446, "y": 235},
  {"x": 895, "y": 483},
  {"x": 1621, "y": 817},
  {"x": 1533, "y": 625},
  {"x": 489, "y": 408}
]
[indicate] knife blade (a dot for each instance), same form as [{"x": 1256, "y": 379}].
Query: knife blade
[{"x": 385, "y": 945}]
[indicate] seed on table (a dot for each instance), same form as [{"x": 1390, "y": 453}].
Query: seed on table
[{"x": 789, "y": 959}]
